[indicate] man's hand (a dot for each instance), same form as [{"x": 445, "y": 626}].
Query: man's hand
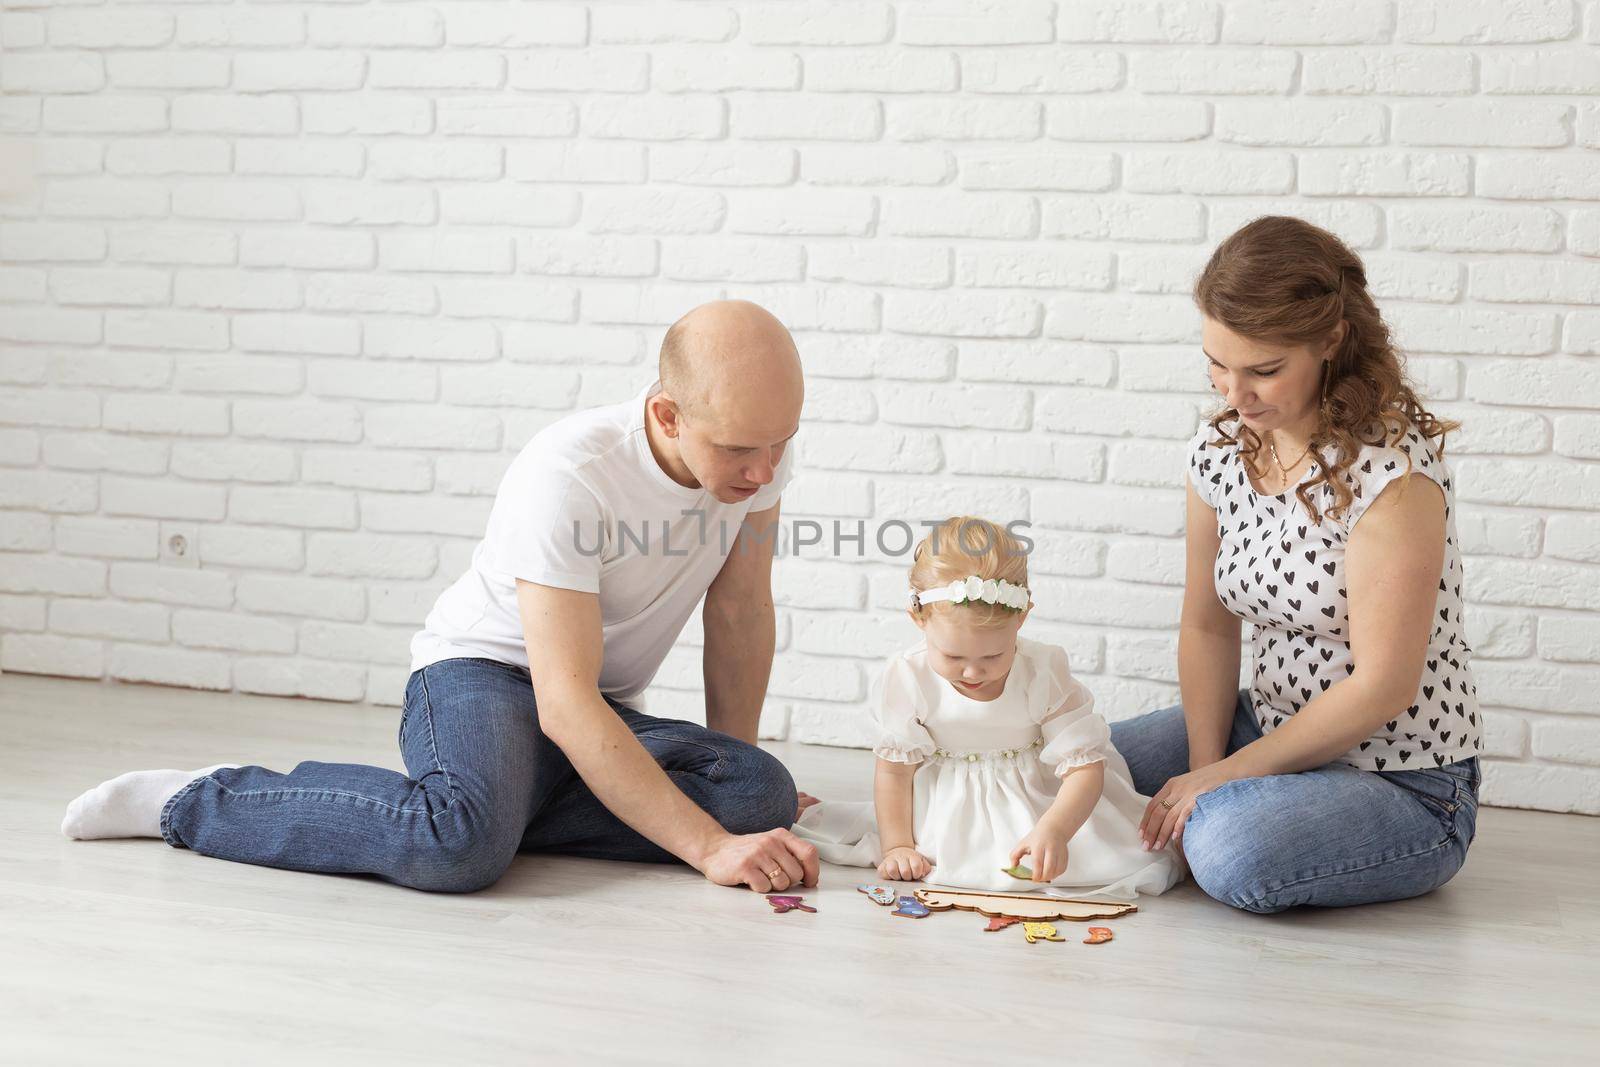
[{"x": 768, "y": 863}]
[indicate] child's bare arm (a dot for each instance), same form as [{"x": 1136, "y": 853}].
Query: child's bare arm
[
  {"x": 894, "y": 796},
  {"x": 1049, "y": 841},
  {"x": 1079, "y": 793}
]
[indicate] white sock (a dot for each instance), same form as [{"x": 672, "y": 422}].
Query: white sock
[{"x": 129, "y": 805}]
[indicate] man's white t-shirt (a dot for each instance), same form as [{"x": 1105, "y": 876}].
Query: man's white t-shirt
[{"x": 586, "y": 506}]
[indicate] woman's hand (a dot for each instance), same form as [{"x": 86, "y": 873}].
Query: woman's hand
[
  {"x": 904, "y": 864},
  {"x": 1047, "y": 844},
  {"x": 1168, "y": 810}
]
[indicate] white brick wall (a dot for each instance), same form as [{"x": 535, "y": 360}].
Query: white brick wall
[{"x": 295, "y": 280}]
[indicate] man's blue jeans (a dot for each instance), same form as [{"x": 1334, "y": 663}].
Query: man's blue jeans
[
  {"x": 483, "y": 783},
  {"x": 1331, "y": 837}
]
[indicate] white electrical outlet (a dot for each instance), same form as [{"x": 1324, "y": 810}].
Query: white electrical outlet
[{"x": 180, "y": 544}]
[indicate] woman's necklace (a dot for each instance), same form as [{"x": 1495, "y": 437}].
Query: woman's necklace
[
  {"x": 1272, "y": 446},
  {"x": 1284, "y": 468}
]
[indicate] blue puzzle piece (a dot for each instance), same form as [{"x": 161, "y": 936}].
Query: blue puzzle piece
[{"x": 911, "y": 908}]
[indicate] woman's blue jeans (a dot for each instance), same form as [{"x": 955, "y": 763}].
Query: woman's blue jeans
[
  {"x": 483, "y": 783},
  {"x": 1330, "y": 837}
]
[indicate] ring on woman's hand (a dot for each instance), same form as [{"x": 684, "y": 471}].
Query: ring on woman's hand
[
  {"x": 1169, "y": 805},
  {"x": 773, "y": 874}
]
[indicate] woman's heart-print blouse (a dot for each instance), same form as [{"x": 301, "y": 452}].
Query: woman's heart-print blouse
[{"x": 1284, "y": 574}]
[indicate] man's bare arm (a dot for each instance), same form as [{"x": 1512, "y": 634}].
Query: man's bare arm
[
  {"x": 562, "y": 632},
  {"x": 741, "y": 631}
]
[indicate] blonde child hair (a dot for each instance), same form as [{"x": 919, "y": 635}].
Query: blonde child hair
[{"x": 961, "y": 547}]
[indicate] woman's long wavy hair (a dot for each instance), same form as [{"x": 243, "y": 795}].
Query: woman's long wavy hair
[{"x": 1282, "y": 280}]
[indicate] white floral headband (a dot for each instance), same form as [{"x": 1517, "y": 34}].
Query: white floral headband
[{"x": 975, "y": 590}]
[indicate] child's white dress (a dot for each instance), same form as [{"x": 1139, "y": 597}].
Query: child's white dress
[{"x": 989, "y": 770}]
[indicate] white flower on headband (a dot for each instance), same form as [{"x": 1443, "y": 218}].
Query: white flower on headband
[{"x": 976, "y": 589}]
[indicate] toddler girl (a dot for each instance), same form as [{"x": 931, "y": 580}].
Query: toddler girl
[{"x": 990, "y": 754}]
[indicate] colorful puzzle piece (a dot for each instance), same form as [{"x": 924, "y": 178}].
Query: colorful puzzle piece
[
  {"x": 1098, "y": 935},
  {"x": 1040, "y": 932},
  {"x": 878, "y": 894},
  {"x": 1019, "y": 871},
  {"x": 786, "y": 903},
  {"x": 1000, "y": 923},
  {"x": 910, "y": 908}
]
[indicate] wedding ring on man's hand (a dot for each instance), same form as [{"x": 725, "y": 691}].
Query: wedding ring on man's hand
[{"x": 1169, "y": 805}]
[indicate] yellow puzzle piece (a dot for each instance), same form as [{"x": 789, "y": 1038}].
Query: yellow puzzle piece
[{"x": 1040, "y": 932}]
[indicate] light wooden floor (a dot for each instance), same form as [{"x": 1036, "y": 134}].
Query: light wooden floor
[{"x": 130, "y": 952}]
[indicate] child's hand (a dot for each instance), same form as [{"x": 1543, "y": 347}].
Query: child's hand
[
  {"x": 1048, "y": 847},
  {"x": 904, "y": 864}
]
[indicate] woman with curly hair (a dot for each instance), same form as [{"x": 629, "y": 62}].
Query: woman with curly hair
[{"x": 1320, "y": 511}]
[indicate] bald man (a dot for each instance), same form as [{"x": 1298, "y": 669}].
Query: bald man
[{"x": 518, "y": 730}]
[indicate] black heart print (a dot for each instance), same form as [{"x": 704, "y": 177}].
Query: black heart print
[{"x": 1257, "y": 577}]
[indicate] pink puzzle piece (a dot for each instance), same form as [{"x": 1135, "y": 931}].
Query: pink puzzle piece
[{"x": 783, "y": 904}]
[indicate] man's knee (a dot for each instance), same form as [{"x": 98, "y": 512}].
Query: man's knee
[
  {"x": 461, "y": 859},
  {"x": 761, "y": 793}
]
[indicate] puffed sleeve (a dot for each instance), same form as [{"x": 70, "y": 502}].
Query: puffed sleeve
[
  {"x": 1074, "y": 734},
  {"x": 899, "y": 704}
]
